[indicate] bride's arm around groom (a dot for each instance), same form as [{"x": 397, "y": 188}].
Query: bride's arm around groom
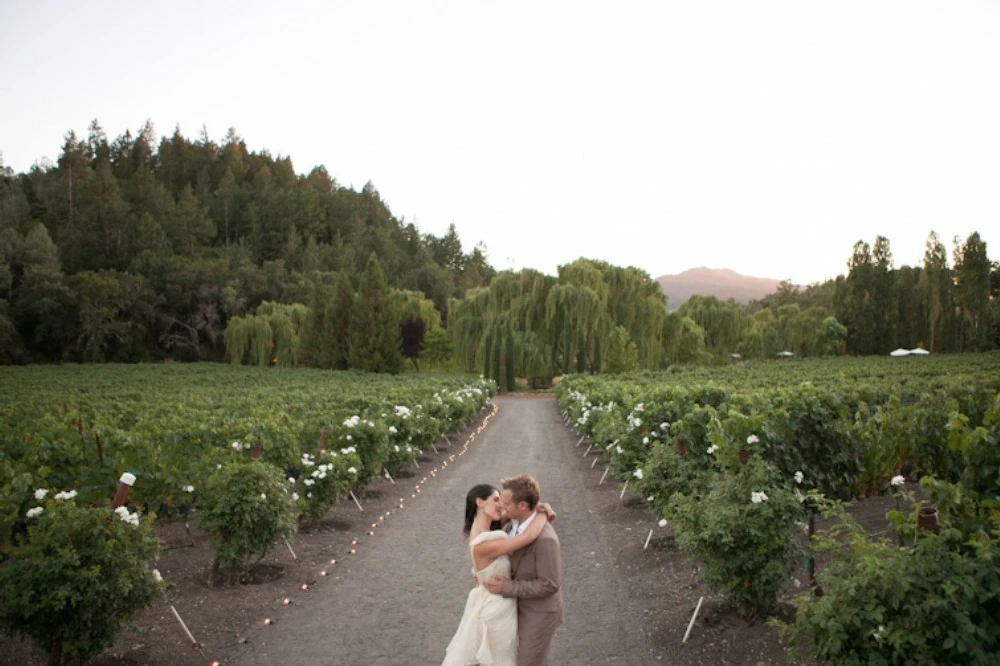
[{"x": 536, "y": 577}]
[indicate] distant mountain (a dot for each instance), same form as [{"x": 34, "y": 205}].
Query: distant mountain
[{"x": 719, "y": 282}]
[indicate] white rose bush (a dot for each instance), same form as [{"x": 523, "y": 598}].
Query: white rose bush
[
  {"x": 79, "y": 577},
  {"x": 324, "y": 479},
  {"x": 739, "y": 470}
]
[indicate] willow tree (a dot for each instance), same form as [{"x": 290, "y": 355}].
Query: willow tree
[
  {"x": 497, "y": 352},
  {"x": 560, "y": 324},
  {"x": 269, "y": 336},
  {"x": 576, "y": 309},
  {"x": 466, "y": 323},
  {"x": 722, "y": 321},
  {"x": 414, "y": 305},
  {"x": 636, "y": 302}
]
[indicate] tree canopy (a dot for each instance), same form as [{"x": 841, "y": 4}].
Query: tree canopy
[{"x": 141, "y": 247}]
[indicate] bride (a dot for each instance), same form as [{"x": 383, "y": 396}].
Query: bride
[{"x": 487, "y": 633}]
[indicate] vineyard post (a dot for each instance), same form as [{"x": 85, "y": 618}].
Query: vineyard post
[
  {"x": 812, "y": 560},
  {"x": 125, "y": 483},
  {"x": 195, "y": 644},
  {"x": 322, "y": 441}
]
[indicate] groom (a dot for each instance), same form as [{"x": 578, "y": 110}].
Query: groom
[{"x": 536, "y": 575}]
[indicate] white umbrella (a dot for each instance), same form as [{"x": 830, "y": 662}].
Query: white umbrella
[
  {"x": 920, "y": 352},
  {"x": 899, "y": 352}
]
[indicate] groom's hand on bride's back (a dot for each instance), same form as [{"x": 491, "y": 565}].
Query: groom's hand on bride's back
[{"x": 494, "y": 585}]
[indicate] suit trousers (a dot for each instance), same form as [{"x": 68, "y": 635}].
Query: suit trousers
[{"x": 534, "y": 636}]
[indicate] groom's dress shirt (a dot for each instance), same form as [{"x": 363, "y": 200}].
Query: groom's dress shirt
[{"x": 517, "y": 527}]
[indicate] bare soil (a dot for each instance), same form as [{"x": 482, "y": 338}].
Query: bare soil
[{"x": 398, "y": 599}]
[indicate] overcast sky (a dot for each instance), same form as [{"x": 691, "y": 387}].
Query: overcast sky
[{"x": 762, "y": 136}]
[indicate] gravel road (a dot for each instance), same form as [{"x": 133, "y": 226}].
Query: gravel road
[{"x": 399, "y": 600}]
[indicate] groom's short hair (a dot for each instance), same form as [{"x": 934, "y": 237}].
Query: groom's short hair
[{"x": 523, "y": 488}]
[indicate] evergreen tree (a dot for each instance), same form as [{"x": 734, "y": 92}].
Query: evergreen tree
[
  {"x": 337, "y": 326},
  {"x": 972, "y": 291},
  {"x": 936, "y": 288},
  {"x": 374, "y": 334},
  {"x": 316, "y": 351}
]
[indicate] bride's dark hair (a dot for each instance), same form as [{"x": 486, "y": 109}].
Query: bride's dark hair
[{"x": 482, "y": 491}]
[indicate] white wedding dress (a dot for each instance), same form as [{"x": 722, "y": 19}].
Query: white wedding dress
[{"x": 487, "y": 634}]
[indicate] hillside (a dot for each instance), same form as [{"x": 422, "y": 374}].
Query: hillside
[{"x": 719, "y": 282}]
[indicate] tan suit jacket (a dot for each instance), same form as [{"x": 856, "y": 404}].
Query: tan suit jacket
[{"x": 536, "y": 583}]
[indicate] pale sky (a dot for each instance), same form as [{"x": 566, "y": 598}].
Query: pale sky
[{"x": 762, "y": 136}]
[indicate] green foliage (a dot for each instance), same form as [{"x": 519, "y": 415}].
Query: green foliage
[
  {"x": 79, "y": 578},
  {"x": 245, "y": 507},
  {"x": 270, "y": 336},
  {"x": 745, "y": 548},
  {"x": 75, "y": 426},
  {"x": 211, "y": 228},
  {"x": 667, "y": 474},
  {"x": 324, "y": 479},
  {"x": 622, "y": 354},
  {"x": 438, "y": 349},
  {"x": 374, "y": 334},
  {"x": 498, "y": 354},
  {"x": 934, "y": 602},
  {"x": 370, "y": 440}
]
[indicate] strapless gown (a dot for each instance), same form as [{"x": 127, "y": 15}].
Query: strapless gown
[{"x": 487, "y": 633}]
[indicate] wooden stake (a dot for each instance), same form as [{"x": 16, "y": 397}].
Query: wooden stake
[
  {"x": 435, "y": 448},
  {"x": 322, "y": 441},
  {"x": 294, "y": 556},
  {"x": 604, "y": 475},
  {"x": 356, "y": 501},
  {"x": 589, "y": 447},
  {"x": 593, "y": 463},
  {"x": 125, "y": 483},
  {"x": 647, "y": 540},
  {"x": 624, "y": 488},
  {"x": 691, "y": 623},
  {"x": 184, "y": 627},
  {"x": 581, "y": 441},
  {"x": 415, "y": 462},
  {"x": 388, "y": 476}
]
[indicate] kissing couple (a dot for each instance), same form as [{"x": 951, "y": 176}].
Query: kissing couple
[{"x": 516, "y": 606}]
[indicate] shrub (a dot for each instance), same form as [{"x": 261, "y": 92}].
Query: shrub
[
  {"x": 667, "y": 474},
  {"x": 371, "y": 440},
  {"x": 79, "y": 578},
  {"x": 936, "y": 602},
  {"x": 324, "y": 479},
  {"x": 741, "y": 532},
  {"x": 246, "y": 506}
]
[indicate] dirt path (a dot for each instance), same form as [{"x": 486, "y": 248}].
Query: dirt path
[{"x": 401, "y": 599}]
